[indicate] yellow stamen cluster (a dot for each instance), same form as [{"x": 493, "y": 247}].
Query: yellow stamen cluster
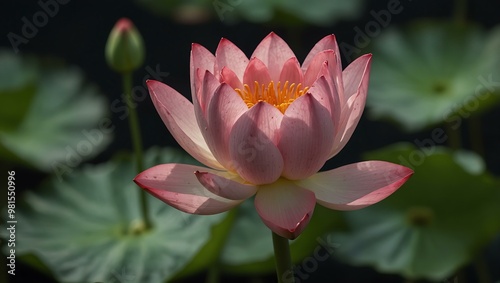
[{"x": 280, "y": 96}]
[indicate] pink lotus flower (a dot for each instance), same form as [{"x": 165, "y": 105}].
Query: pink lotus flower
[{"x": 265, "y": 126}]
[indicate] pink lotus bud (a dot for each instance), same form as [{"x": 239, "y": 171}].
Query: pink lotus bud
[{"x": 125, "y": 47}]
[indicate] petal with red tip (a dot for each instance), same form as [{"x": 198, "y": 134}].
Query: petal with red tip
[
  {"x": 200, "y": 58},
  {"x": 326, "y": 43},
  {"x": 306, "y": 137},
  {"x": 229, "y": 55},
  {"x": 357, "y": 185},
  {"x": 252, "y": 144},
  {"x": 178, "y": 115},
  {"x": 285, "y": 207},
  {"x": 177, "y": 185},
  {"x": 225, "y": 187},
  {"x": 273, "y": 51}
]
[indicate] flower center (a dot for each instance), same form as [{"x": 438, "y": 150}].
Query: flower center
[{"x": 280, "y": 96}]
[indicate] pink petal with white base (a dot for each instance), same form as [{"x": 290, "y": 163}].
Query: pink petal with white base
[
  {"x": 252, "y": 144},
  {"x": 273, "y": 52},
  {"x": 285, "y": 208},
  {"x": 224, "y": 110},
  {"x": 357, "y": 185},
  {"x": 178, "y": 115},
  {"x": 224, "y": 187},
  {"x": 177, "y": 185},
  {"x": 304, "y": 156},
  {"x": 229, "y": 55}
]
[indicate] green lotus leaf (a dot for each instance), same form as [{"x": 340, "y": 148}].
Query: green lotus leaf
[
  {"x": 51, "y": 118},
  {"x": 432, "y": 72},
  {"x": 431, "y": 226},
  {"x": 88, "y": 228}
]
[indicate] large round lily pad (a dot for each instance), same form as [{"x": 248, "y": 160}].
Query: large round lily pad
[
  {"x": 433, "y": 72},
  {"x": 88, "y": 227},
  {"x": 431, "y": 226},
  {"x": 51, "y": 119}
]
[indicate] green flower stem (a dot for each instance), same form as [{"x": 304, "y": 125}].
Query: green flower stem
[
  {"x": 137, "y": 143},
  {"x": 282, "y": 258}
]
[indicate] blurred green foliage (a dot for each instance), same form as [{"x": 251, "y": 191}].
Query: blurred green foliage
[
  {"x": 88, "y": 227},
  {"x": 280, "y": 12},
  {"x": 433, "y": 72},
  {"x": 50, "y": 117},
  {"x": 436, "y": 223}
]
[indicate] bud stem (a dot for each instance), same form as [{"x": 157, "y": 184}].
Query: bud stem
[{"x": 136, "y": 142}]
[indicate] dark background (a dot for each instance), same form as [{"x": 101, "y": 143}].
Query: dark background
[{"x": 78, "y": 33}]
